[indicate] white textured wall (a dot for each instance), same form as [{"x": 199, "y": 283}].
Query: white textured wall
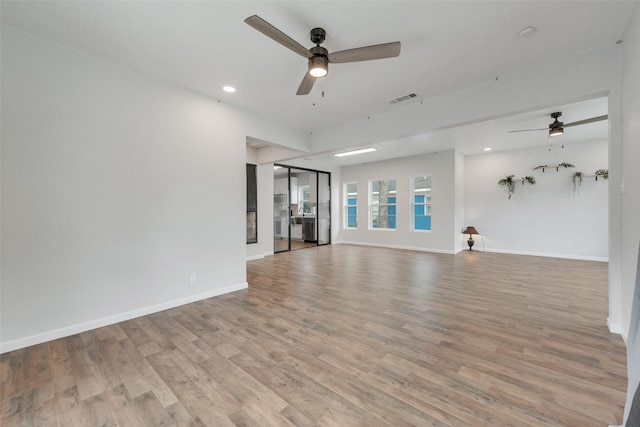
[
  {"x": 459, "y": 203},
  {"x": 630, "y": 154},
  {"x": 547, "y": 218},
  {"x": 441, "y": 167},
  {"x": 115, "y": 188}
]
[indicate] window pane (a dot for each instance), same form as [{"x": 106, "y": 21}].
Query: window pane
[
  {"x": 422, "y": 203},
  {"x": 383, "y": 204},
  {"x": 351, "y": 197}
]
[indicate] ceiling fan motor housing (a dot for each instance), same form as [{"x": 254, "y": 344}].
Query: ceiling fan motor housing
[
  {"x": 318, "y": 35},
  {"x": 556, "y": 123}
]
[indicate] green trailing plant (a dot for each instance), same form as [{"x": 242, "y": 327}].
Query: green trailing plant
[
  {"x": 604, "y": 173},
  {"x": 558, "y": 166},
  {"x": 577, "y": 181},
  {"x": 529, "y": 179},
  {"x": 509, "y": 183}
]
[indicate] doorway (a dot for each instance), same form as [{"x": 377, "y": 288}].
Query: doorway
[{"x": 301, "y": 208}]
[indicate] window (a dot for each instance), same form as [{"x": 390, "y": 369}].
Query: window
[
  {"x": 383, "y": 204},
  {"x": 304, "y": 199},
  {"x": 351, "y": 205},
  {"x": 421, "y": 193},
  {"x": 252, "y": 204}
]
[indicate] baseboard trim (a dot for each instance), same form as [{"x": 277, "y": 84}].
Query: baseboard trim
[
  {"x": 616, "y": 328},
  {"x": 407, "y": 248},
  {"x": 544, "y": 254},
  {"x": 254, "y": 257},
  {"x": 110, "y": 320}
]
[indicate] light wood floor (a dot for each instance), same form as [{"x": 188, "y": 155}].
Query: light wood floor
[
  {"x": 346, "y": 336},
  {"x": 283, "y": 245}
]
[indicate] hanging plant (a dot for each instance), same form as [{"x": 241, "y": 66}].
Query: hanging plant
[
  {"x": 577, "y": 181},
  {"x": 509, "y": 183},
  {"x": 529, "y": 179},
  {"x": 604, "y": 173},
  {"x": 565, "y": 165}
]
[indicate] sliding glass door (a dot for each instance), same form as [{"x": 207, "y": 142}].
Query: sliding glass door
[{"x": 301, "y": 208}]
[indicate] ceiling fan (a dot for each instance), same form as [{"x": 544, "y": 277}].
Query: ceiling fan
[
  {"x": 557, "y": 127},
  {"x": 319, "y": 57}
]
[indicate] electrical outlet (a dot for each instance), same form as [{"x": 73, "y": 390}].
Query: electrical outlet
[{"x": 193, "y": 278}]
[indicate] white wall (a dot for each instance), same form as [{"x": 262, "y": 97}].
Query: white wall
[
  {"x": 547, "y": 218},
  {"x": 441, "y": 168},
  {"x": 630, "y": 154},
  {"x": 115, "y": 188},
  {"x": 459, "y": 207}
]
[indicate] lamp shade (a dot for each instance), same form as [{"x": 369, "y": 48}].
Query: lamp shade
[{"x": 470, "y": 230}]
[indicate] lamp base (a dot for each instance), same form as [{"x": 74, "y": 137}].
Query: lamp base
[{"x": 470, "y": 242}]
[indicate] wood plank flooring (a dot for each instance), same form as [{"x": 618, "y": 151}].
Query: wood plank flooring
[
  {"x": 283, "y": 245},
  {"x": 346, "y": 336}
]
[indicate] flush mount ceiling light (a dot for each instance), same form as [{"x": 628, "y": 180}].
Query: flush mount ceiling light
[
  {"x": 487, "y": 149},
  {"x": 229, "y": 89},
  {"x": 351, "y": 153}
]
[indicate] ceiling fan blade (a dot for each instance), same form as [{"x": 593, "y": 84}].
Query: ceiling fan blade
[
  {"x": 585, "y": 121},
  {"x": 275, "y": 34},
  {"x": 525, "y": 130},
  {"x": 366, "y": 53},
  {"x": 306, "y": 85}
]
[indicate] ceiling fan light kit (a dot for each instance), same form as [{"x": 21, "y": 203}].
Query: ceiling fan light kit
[
  {"x": 318, "y": 66},
  {"x": 556, "y": 131},
  {"x": 319, "y": 57}
]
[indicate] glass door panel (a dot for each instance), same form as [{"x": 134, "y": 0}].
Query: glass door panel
[
  {"x": 280, "y": 209},
  {"x": 324, "y": 208}
]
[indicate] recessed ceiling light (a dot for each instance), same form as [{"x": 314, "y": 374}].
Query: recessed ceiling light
[
  {"x": 351, "y": 153},
  {"x": 527, "y": 31},
  {"x": 229, "y": 89},
  {"x": 487, "y": 149}
]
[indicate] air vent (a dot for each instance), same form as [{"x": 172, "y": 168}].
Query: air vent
[{"x": 403, "y": 98}]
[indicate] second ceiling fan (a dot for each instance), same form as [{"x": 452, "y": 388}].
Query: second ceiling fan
[
  {"x": 557, "y": 127},
  {"x": 319, "y": 57}
]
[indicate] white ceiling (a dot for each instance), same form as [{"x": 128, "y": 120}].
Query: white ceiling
[{"x": 446, "y": 45}]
